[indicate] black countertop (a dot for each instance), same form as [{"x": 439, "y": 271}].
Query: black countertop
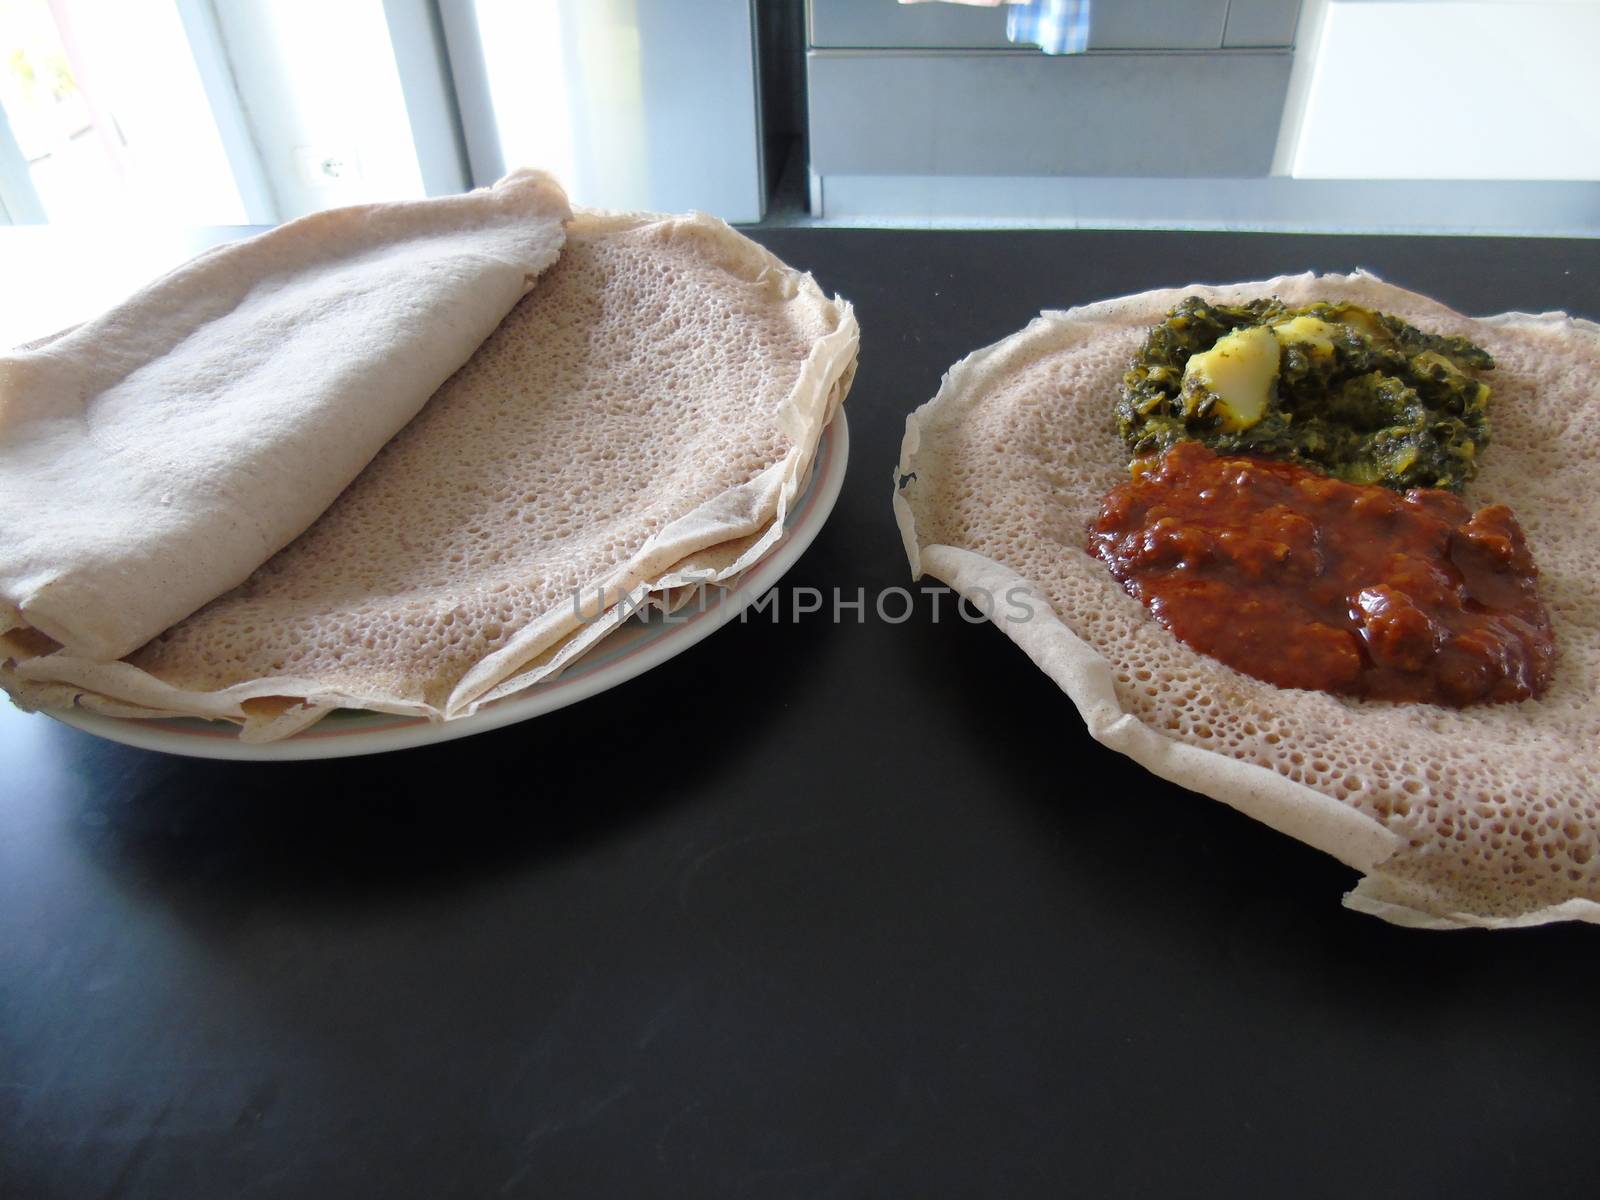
[{"x": 814, "y": 909}]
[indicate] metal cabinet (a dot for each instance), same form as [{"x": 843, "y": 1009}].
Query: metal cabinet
[
  {"x": 912, "y": 113},
  {"x": 1261, "y": 23},
  {"x": 1115, "y": 25},
  {"x": 1169, "y": 89}
]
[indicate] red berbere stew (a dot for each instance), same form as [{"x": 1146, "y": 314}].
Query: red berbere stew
[{"x": 1308, "y": 582}]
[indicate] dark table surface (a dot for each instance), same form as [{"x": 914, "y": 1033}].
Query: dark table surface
[{"x": 814, "y": 909}]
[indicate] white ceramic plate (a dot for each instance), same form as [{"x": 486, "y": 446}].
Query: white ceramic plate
[{"x": 641, "y": 643}]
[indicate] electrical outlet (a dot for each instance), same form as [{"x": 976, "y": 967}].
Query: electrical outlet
[{"x": 327, "y": 166}]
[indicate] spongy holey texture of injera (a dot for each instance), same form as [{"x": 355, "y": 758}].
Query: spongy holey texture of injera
[
  {"x": 152, "y": 457},
  {"x": 1487, "y": 815},
  {"x": 658, "y": 397}
]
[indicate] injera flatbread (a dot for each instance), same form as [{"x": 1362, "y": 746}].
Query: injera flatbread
[
  {"x": 1484, "y": 816},
  {"x": 154, "y": 456},
  {"x": 642, "y": 421}
]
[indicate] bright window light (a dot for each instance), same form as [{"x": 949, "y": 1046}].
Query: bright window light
[{"x": 108, "y": 112}]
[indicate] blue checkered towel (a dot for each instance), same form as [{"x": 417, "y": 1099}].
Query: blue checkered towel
[{"x": 1055, "y": 26}]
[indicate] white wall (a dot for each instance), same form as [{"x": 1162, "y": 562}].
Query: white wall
[
  {"x": 633, "y": 104},
  {"x": 524, "y": 62},
  {"x": 1498, "y": 89},
  {"x": 318, "y": 82}
]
